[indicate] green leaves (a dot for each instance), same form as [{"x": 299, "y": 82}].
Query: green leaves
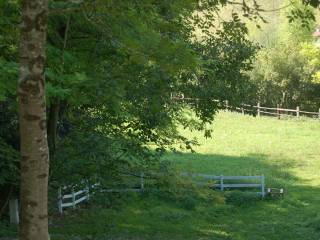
[
  {"x": 112, "y": 66},
  {"x": 286, "y": 74},
  {"x": 8, "y": 78},
  {"x": 9, "y": 162}
]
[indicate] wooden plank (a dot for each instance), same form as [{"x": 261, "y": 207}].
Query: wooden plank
[
  {"x": 60, "y": 201},
  {"x": 207, "y": 176},
  {"x": 277, "y": 109},
  {"x": 122, "y": 190},
  {"x": 221, "y": 183},
  {"x": 67, "y": 196},
  {"x": 268, "y": 108},
  {"x": 81, "y": 200},
  {"x": 262, "y": 186},
  {"x": 63, "y": 205},
  {"x": 287, "y": 110},
  {"x": 213, "y": 177},
  {"x": 240, "y": 177},
  {"x": 73, "y": 199},
  {"x": 14, "y": 211},
  {"x": 239, "y": 185},
  {"x": 269, "y": 113},
  {"x": 79, "y": 192},
  {"x": 313, "y": 113}
]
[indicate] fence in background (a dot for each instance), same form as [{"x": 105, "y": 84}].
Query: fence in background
[
  {"x": 257, "y": 109},
  {"x": 277, "y": 112}
]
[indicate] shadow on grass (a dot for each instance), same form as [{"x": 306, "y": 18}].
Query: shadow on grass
[
  {"x": 278, "y": 171},
  {"x": 294, "y": 217}
]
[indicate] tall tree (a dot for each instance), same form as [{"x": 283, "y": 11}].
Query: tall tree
[{"x": 34, "y": 146}]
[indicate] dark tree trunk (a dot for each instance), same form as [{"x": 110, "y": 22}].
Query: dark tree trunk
[{"x": 52, "y": 125}]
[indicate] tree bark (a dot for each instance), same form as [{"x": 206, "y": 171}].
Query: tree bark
[{"x": 32, "y": 106}]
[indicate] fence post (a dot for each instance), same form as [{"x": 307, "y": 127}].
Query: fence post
[
  {"x": 278, "y": 111},
  {"x": 87, "y": 192},
  {"x": 258, "y": 107},
  {"x": 262, "y": 186},
  {"x": 221, "y": 183},
  {"x": 73, "y": 199},
  {"x": 242, "y": 109},
  {"x": 60, "y": 200},
  {"x": 142, "y": 181},
  {"x": 319, "y": 113},
  {"x": 227, "y": 104},
  {"x": 14, "y": 211},
  {"x": 298, "y": 111}
]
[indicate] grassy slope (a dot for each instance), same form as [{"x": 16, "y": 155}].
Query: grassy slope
[{"x": 286, "y": 151}]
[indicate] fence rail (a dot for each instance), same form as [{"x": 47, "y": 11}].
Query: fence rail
[
  {"x": 279, "y": 111},
  {"x": 72, "y": 199},
  {"x": 258, "y": 109},
  {"x": 222, "y": 184}
]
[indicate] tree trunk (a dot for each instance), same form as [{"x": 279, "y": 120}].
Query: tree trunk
[
  {"x": 34, "y": 145},
  {"x": 55, "y": 105},
  {"x": 52, "y": 126}
]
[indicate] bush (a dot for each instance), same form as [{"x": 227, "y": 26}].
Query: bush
[{"x": 170, "y": 186}]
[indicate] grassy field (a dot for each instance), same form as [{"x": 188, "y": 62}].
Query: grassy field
[{"x": 287, "y": 152}]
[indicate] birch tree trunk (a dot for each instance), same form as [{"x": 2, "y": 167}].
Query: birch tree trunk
[{"x": 34, "y": 145}]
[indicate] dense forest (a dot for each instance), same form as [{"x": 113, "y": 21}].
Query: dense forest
[{"x": 112, "y": 68}]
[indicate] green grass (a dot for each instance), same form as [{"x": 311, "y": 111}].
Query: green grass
[{"x": 287, "y": 152}]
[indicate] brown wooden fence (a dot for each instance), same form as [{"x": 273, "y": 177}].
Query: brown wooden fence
[{"x": 254, "y": 109}]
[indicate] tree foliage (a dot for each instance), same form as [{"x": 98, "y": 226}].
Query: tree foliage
[
  {"x": 111, "y": 68},
  {"x": 285, "y": 72}
]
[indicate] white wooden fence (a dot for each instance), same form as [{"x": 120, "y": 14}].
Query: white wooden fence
[
  {"x": 223, "y": 181},
  {"x": 71, "y": 199}
]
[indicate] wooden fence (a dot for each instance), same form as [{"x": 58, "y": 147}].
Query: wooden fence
[
  {"x": 253, "y": 109},
  {"x": 277, "y": 111},
  {"x": 223, "y": 182},
  {"x": 72, "y": 199}
]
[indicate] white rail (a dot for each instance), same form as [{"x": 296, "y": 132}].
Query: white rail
[{"x": 72, "y": 199}]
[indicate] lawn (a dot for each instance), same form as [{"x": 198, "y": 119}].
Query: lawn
[{"x": 287, "y": 152}]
